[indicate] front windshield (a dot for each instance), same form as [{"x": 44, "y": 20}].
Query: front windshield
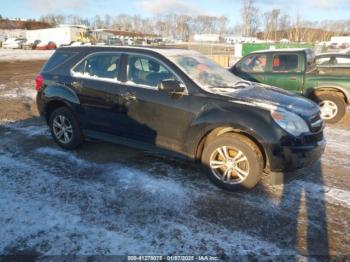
[{"x": 204, "y": 71}]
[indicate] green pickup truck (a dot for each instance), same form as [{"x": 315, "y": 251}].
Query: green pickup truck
[{"x": 295, "y": 70}]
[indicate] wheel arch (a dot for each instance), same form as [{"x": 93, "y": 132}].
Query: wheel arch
[
  {"x": 329, "y": 88},
  {"x": 59, "y": 96},
  {"x": 54, "y": 104},
  {"x": 217, "y": 131}
]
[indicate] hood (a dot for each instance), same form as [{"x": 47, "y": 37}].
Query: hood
[{"x": 269, "y": 97}]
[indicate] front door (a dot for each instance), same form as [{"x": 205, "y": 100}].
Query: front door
[{"x": 153, "y": 116}]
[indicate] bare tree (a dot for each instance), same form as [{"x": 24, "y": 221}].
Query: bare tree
[{"x": 250, "y": 17}]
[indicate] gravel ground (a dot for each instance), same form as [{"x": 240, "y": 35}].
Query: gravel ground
[{"x": 106, "y": 199}]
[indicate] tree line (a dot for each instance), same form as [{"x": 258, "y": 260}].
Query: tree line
[
  {"x": 268, "y": 25},
  {"x": 277, "y": 25},
  {"x": 180, "y": 27}
]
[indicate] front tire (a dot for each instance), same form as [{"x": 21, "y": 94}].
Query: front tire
[
  {"x": 65, "y": 128},
  {"x": 232, "y": 162},
  {"x": 333, "y": 106}
]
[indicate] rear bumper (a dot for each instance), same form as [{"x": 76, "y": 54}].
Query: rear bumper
[{"x": 294, "y": 157}]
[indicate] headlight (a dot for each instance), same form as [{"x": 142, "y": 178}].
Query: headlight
[{"x": 290, "y": 122}]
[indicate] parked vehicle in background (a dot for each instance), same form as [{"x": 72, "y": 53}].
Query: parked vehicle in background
[
  {"x": 295, "y": 70},
  {"x": 46, "y": 46},
  {"x": 139, "y": 42},
  {"x": 30, "y": 46},
  {"x": 61, "y": 35},
  {"x": 13, "y": 43},
  {"x": 113, "y": 41},
  {"x": 333, "y": 63},
  {"x": 178, "y": 101}
]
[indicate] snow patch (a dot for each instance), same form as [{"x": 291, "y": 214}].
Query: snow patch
[
  {"x": 63, "y": 154},
  {"x": 128, "y": 177},
  {"x": 26, "y": 90},
  {"x": 318, "y": 192},
  {"x": 95, "y": 77},
  {"x": 54, "y": 232},
  {"x": 30, "y": 131},
  {"x": 45, "y": 211},
  {"x": 9, "y": 55},
  {"x": 6, "y": 122},
  {"x": 338, "y": 144}
]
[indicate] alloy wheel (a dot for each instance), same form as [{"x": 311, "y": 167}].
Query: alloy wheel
[
  {"x": 229, "y": 165},
  {"x": 62, "y": 128}
]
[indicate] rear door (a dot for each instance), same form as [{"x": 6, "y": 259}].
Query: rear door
[
  {"x": 286, "y": 71},
  {"x": 95, "y": 80}
]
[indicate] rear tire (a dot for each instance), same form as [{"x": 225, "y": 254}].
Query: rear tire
[
  {"x": 65, "y": 128},
  {"x": 233, "y": 162},
  {"x": 333, "y": 106}
]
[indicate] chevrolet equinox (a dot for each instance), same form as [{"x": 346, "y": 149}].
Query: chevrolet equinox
[{"x": 178, "y": 101}]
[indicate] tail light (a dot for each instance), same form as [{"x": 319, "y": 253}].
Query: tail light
[{"x": 39, "y": 81}]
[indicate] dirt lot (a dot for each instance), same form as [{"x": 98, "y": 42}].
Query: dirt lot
[{"x": 106, "y": 199}]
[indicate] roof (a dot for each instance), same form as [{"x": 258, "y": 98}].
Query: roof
[
  {"x": 284, "y": 50},
  {"x": 165, "y": 51}
]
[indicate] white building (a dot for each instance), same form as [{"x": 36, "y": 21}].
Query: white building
[
  {"x": 240, "y": 39},
  {"x": 62, "y": 35},
  {"x": 214, "y": 38},
  {"x": 13, "y": 33}
]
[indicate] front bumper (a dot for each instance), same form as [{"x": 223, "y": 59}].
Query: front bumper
[{"x": 292, "y": 157}]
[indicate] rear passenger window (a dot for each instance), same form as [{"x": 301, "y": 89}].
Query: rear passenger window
[
  {"x": 103, "y": 66},
  {"x": 323, "y": 61},
  {"x": 146, "y": 71},
  {"x": 285, "y": 63},
  {"x": 343, "y": 61},
  {"x": 333, "y": 61},
  {"x": 57, "y": 59}
]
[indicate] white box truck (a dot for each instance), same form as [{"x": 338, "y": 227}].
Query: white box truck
[{"x": 62, "y": 35}]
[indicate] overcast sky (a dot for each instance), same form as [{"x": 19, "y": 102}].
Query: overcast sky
[{"x": 309, "y": 9}]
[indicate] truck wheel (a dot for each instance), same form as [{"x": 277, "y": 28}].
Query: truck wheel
[
  {"x": 65, "y": 128},
  {"x": 333, "y": 107},
  {"x": 232, "y": 162}
]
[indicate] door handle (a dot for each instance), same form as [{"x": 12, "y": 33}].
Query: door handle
[
  {"x": 76, "y": 85},
  {"x": 293, "y": 78},
  {"x": 129, "y": 97}
]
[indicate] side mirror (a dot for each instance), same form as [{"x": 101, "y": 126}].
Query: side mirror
[{"x": 171, "y": 86}]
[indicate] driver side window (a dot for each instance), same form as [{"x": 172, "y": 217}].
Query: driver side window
[{"x": 146, "y": 72}]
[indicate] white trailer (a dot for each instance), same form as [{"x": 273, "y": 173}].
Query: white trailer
[
  {"x": 206, "y": 38},
  {"x": 60, "y": 35}
]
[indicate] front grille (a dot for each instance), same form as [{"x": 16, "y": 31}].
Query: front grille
[{"x": 316, "y": 123}]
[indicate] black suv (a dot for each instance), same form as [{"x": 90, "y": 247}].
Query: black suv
[{"x": 181, "y": 102}]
